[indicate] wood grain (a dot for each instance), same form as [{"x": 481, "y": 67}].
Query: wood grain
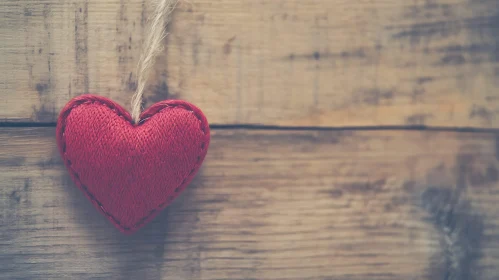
[
  {"x": 269, "y": 205},
  {"x": 282, "y": 62}
]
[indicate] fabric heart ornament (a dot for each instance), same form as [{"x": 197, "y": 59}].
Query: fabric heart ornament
[{"x": 130, "y": 172}]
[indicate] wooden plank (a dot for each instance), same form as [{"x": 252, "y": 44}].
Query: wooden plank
[
  {"x": 269, "y": 205},
  {"x": 280, "y": 62}
]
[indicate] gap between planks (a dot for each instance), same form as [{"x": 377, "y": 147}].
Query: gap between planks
[{"x": 300, "y": 128}]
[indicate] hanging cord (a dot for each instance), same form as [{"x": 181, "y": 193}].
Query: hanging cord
[{"x": 153, "y": 45}]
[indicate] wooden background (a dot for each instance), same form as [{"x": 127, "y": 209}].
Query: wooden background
[{"x": 352, "y": 140}]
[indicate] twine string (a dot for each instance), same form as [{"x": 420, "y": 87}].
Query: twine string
[{"x": 153, "y": 45}]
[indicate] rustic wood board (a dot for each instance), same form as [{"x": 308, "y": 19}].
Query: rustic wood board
[
  {"x": 269, "y": 205},
  {"x": 280, "y": 62}
]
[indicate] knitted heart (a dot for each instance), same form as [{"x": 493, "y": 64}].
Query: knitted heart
[{"x": 131, "y": 171}]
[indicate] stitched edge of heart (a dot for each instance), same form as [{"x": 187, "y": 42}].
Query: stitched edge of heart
[{"x": 150, "y": 112}]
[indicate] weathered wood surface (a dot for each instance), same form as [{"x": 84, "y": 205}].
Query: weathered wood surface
[
  {"x": 280, "y": 62},
  {"x": 269, "y": 205}
]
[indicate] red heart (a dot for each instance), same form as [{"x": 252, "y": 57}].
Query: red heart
[{"x": 131, "y": 171}]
